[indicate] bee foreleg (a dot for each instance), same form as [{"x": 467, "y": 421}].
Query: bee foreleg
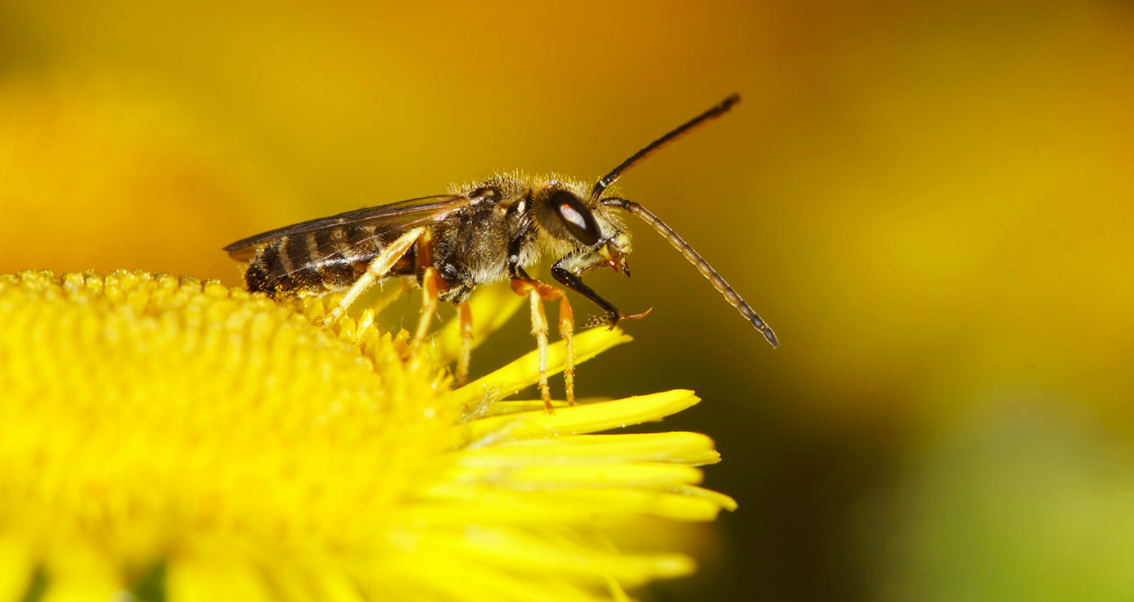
[
  {"x": 573, "y": 282},
  {"x": 464, "y": 314},
  {"x": 375, "y": 271}
]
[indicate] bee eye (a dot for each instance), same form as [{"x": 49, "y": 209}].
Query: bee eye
[{"x": 576, "y": 216}]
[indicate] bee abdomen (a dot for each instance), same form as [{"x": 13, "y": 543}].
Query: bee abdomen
[
  {"x": 317, "y": 262},
  {"x": 338, "y": 267}
]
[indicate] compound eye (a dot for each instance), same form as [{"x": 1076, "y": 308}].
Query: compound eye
[{"x": 576, "y": 216}]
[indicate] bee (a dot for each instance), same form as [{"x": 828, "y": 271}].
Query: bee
[{"x": 476, "y": 234}]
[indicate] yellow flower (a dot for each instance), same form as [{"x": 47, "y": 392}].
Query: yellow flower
[{"x": 167, "y": 438}]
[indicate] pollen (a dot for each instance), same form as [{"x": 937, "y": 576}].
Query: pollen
[{"x": 164, "y": 434}]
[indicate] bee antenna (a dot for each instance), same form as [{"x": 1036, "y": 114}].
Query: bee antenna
[
  {"x": 720, "y": 109},
  {"x": 703, "y": 266}
]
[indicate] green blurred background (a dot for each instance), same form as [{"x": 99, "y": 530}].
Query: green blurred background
[{"x": 930, "y": 202}]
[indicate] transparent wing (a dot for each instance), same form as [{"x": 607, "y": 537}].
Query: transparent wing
[{"x": 384, "y": 218}]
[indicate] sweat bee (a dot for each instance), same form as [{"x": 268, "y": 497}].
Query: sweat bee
[{"x": 482, "y": 233}]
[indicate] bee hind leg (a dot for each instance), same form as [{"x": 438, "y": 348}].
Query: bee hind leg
[{"x": 375, "y": 271}]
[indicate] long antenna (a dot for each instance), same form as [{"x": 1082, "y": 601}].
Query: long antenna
[
  {"x": 703, "y": 266},
  {"x": 720, "y": 109}
]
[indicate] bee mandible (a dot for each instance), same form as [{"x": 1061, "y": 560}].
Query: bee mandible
[{"x": 480, "y": 233}]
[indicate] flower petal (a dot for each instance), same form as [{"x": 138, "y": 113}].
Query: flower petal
[
  {"x": 581, "y": 418},
  {"x": 693, "y": 449},
  {"x": 17, "y": 567},
  {"x": 524, "y": 372}
]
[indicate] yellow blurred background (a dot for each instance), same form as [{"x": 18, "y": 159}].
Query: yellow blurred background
[{"x": 930, "y": 202}]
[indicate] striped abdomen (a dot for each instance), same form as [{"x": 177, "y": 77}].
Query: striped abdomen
[{"x": 317, "y": 262}]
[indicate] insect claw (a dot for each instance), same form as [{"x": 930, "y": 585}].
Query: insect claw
[
  {"x": 612, "y": 320},
  {"x": 637, "y": 316}
]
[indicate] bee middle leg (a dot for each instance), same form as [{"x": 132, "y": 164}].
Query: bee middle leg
[
  {"x": 464, "y": 313},
  {"x": 539, "y": 292},
  {"x": 431, "y": 285},
  {"x": 375, "y": 271}
]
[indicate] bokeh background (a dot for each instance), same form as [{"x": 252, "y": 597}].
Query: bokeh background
[{"x": 931, "y": 203}]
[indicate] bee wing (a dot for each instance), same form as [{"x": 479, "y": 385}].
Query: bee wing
[{"x": 384, "y": 218}]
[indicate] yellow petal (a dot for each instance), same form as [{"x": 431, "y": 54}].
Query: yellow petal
[
  {"x": 508, "y": 547},
  {"x": 17, "y": 567},
  {"x": 193, "y": 579},
  {"x": 524, "y": 372},
  {"x": 581, "y": 418},
  {"x": 482, "y": 502},
  {"x": 562, "y": 476},
  {"x": 80, "y": 573},
  {"x": 686, "y": 448}
]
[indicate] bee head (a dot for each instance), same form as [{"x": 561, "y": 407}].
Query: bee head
[{"x": 582, "y": 226}]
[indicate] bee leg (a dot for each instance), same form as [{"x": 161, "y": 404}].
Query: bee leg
[
  {"x": 464, "y": 313},
  {"x": 539, "y": 329},
  {"x": 431, "y": 286},
  {"x": 567, "y": 333},
  {"x": 573, "y": 282},
  {"x": 377, "y": 270},
  {"x": 539, "y": 292}
]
